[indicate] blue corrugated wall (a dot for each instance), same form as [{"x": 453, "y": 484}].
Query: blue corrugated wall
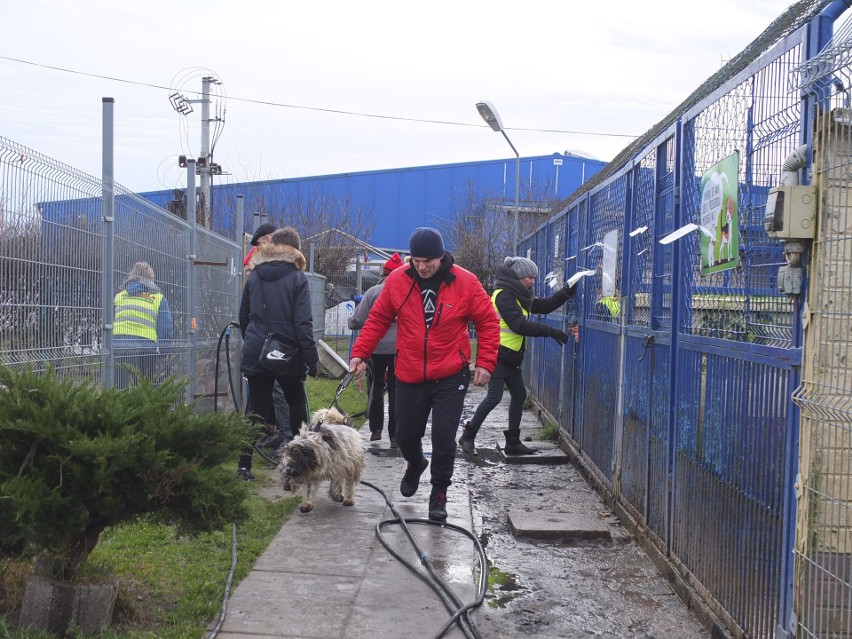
[{"x": 402, "y": 199}]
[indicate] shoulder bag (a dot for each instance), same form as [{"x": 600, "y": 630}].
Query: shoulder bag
[{"x": 278, "y": 350}]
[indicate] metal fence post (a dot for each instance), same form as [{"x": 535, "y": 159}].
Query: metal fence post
[
  {"x": 239, "y": 236},
  {"x": 238, "y": 292},
  {"x": 190, "y": 279},
  {"x": 258, "y": 218},
  {"x": 108, "y": 245},
  {"x": 358, "y": 274}
]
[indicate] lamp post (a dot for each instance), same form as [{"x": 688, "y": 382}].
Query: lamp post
[{"x": 490, "y": 115}]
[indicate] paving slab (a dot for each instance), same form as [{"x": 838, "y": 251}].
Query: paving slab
[{"x": 557, "y": 525}]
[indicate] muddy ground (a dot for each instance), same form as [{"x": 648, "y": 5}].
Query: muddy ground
[{"x": 581, "y": 588}]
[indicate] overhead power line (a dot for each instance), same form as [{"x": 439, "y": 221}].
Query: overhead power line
[{"x": 312, "y": 108}]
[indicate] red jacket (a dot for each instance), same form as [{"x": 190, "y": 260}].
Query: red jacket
[
  {"x": 249, "y": 256},
  {"x": 442, "y": 351}
]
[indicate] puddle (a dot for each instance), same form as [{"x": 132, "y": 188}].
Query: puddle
[
  {"x": 451, "y": 571},
  {"x": 485, "y": 457},
  {"x": 503, "y": 587}
]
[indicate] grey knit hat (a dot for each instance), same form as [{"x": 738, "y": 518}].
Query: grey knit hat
[{"x": 521, "y": 266}]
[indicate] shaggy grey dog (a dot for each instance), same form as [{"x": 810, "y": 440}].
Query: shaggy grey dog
[{"x": 328, "y": 449}]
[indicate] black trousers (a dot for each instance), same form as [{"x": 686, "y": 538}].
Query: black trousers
[
  {"x": 444, "y": 399},
  {"x": 512, "y": 378},
  {"x": 384, "y": 376},
  {"x": 260, "y": 405}
]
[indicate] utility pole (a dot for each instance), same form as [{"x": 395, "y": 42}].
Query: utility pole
[
  {"x": 203, "y": 160},
  {"x": 204, "y": 167}
]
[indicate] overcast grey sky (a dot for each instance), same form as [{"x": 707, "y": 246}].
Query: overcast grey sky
[{"x": 315, "y": 88}]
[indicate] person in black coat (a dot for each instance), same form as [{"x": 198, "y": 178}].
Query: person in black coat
[
  {"x": 276, "y": 298},
  {"x": 514, "y": 301}
]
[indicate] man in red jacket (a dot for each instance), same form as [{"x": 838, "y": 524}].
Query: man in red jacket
[{"x": 432, "y": 301}]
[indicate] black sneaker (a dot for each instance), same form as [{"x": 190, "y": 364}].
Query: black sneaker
[
  {"x": 375, "y": 436},
  {"x": 245, "y": 474},
  {"x": 393, "y": 443},
  {"x": 411, "y": 478},
  {"x": 438, "y": 506}
]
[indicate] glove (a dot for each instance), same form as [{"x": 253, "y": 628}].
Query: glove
[
  {"x": 559, "y": 336},
  {"x": 567, "y": 292},
  {"x": 312, "y": 370}
]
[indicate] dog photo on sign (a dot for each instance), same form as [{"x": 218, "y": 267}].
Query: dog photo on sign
[{"x": 327, "y": 449}]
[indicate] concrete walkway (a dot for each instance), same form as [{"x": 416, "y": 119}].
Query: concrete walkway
[{"x": 326, "y": 573}]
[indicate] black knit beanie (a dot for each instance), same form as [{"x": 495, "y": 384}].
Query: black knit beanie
[{"x": 426, "y": 242}]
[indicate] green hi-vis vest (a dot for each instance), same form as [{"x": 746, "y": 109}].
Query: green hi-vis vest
[
  {"x": 136, "y": 315},
  {"x": 508, "y": 337}
]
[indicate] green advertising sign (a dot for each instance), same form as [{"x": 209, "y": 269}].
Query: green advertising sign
[{"x": 720, "y": 216}]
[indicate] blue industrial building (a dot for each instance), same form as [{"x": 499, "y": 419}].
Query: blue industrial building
[{"x": 399, "y": 200}]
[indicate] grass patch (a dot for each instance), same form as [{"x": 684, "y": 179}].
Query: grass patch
[
  {"x": 549, "y": 432},
  {"x": 352, "y": 400},
  {"x": 171, "y": 586}
]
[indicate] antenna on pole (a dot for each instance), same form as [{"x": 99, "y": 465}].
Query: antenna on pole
[{"x": 204, "y": 167}]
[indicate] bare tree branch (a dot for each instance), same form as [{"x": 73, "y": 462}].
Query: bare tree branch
[{"x": 480, "y": 233}]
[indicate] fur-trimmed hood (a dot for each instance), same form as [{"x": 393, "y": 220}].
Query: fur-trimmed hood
[
  {"x": 277, "y": 253},
  {"x": 277, "y": 299}
]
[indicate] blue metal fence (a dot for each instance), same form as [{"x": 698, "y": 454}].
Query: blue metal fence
[{"x": 686, "y": 375}]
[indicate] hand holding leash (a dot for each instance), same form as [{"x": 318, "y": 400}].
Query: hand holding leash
[{"x": 357, "y": 365}]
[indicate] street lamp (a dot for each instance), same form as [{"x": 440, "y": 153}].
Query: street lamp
[{"x": 490, "y": 115}]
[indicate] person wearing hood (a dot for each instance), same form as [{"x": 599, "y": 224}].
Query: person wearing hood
[
  {"x": 382, "y": 372},
  {"x": 432, "y": 301},
  {"x": 283, "y": 430},
  {"x": 514, "y": 301},
  {"x": 143, "y": 322},
  {"x": 276, "y": 298}
]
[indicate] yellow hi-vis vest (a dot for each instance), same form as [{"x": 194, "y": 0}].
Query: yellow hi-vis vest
[
  {"x": 612, "y": 305},
  {"x": 136, "y": 315},
  {"x": 508, "y": 337}
]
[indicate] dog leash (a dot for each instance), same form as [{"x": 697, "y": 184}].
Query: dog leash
[{"x": 347, "y": 379}]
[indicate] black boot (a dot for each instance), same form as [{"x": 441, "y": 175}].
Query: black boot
[
  {"x": 514, "y": 446},
  {"x": 467, "y": 439}
]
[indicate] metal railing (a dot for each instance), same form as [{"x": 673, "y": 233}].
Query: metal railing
[{"x": 52, "y": 262}]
